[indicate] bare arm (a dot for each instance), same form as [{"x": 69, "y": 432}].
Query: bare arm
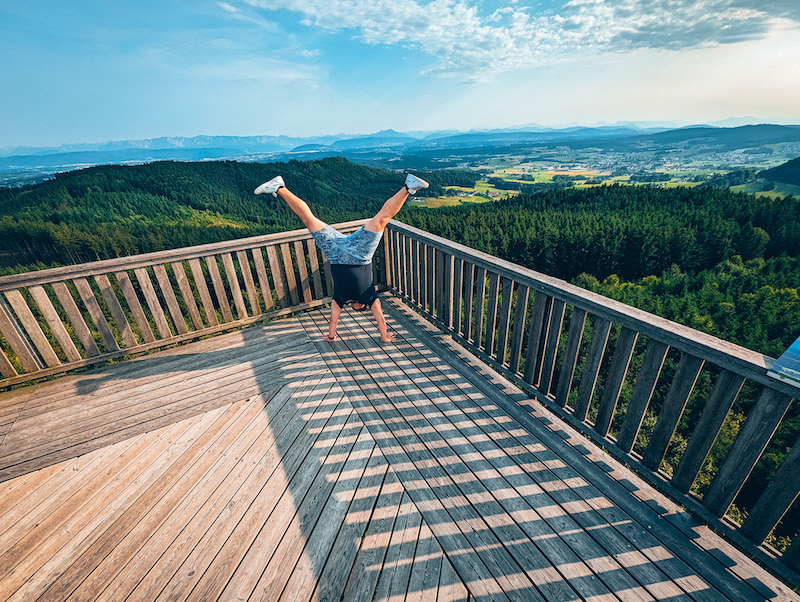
[
  {"x": 386, "y": 336},
  {"x": 335, "y": 313}
]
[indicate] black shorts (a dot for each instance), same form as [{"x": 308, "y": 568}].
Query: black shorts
[{"x": 353, "y": 283}]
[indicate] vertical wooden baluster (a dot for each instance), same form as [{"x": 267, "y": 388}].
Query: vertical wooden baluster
[
  {"x": 469, "y": 299},
  {"x": 538, "y": 316},
  {"x": 523, "y": 292},
  {"x": 480, "y": 294},
  {"x": 615, "y": 379},
  {"x": 116, "y": 310},
  {"x": 591, "y": 368},
  {"x": 10, "y": 330},
  {"x": 263, "y": 281},
  {"x": 187, "y": 294},
  {"x": 249, "y": 283},
  {"x": 151, "y": 299},
  {"x": 305, "y": 284},
  {"x": 278, "y": 279},
  {"x": 233, "y": 283},
  {"x": 574, "y": 337},
  {"x": 96, "y": 313},
  {"x": 31, "y": 326},
  {"x": 54, "y": 321},
  {"x": 315, "y": 273},
  {"x": 291, "y": 280},
  {"x": 205, "y": 296},
  {"x": 551, "y": 345},
  {"x": 75, "y": 318},
  {"x": 169, "y": 296},
  {"x": 219, "y": 289},
  {"x": 458, "y": 294}
]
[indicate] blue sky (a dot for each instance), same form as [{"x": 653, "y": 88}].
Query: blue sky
[{"x": 90, "y": 71}]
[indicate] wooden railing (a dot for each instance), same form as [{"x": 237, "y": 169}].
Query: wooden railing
[
  {"x": 56, "y": 320},
  {"x": 603, "y": 366}
]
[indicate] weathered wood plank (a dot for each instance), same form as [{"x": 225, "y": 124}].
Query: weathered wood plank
[
  {"x": 6, "y": 367},
  {"x": 278, "y": 278},
  {"x": 439, "y": 279},
  {"x": 96, "y": 313},
  {"x": 504, "y": 319},
  {"x": 409, "y": 268},
  {"x": 776, "y": 499},
  {"x": 458, "y": 295},
  {"x": 430, "y": 282},
  {"x": 387, "y": 253},
  {"x": 576, "y": 324},
  {"x": 416, "y": 271},
  {"x": 515, "y": 355},
  {"x": 480, "y": 295},
  {"x": 726, "y": 388},
  {"x": 469, "y": 273},
  {"x": 263, "y": 281},
  {"x": 291, "y": 280},
  {"x": 315, "y": 271},
  {"x": 750, "y": 443},
  {"x": 233, "y": 283},
  {"x": 615, "y": 379},
  {"x": 31, "y": 326},
  {"x": 187, "y": 294},
  {"x": 150, "y": 297},
  {"x": 393, "y": 578},
  {"x": 219, "y": 289},
  {"x": 136, "y": 308},
  {"x": 490, "y": 336},
  {"x": 591, "y": 368},
  {"x": 205, "y": 295},
  {"x": 169, "y": 296},
  {"x": 537, "y": 325},
  {"x": 249, "y": 283},
  {"x": 551, "y": 345},
  {"x": 54, "y": 321},
  {"x": 678, "y": 396},
  {"x": 116, "y": 310},
  {"x": 75, "y": 318},
  {"x": 447, "y": 290},
  {"x": 305, "y": 284}
]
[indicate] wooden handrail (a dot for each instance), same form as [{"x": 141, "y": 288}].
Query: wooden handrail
[
  {"x": 539, "y": 330},
  {"x": 59, "y": 319}
]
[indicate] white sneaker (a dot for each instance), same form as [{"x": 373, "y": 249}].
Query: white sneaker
[
  {"x": 270, "y": 187},
  {"x": 413, "y": 183}
]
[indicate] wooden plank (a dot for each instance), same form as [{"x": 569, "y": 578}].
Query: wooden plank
[
  {"x": 750, "y": 443},
  {"x": 305, "y": 283},
  {"x": 537, "y": 326},
  {"x": 75, "y": 318},
  {"x": 642, "y": 392},
  {"x": 31, "y": 326},
  {"x": 458, "y": 294},
  {"x": 263, "y": 281},
  {"x": 678, "y": 396},
  {"x": 424, "y": 568},
  {"x": 504, "y": 319},
  {"x": 316, "y": 275},
  {"x": 519, "y": 328},
  {"x": 776, "y": 499},
  {"x": 187, "y": 294},
  {"x": 291, "y": 280},
  {"x": 410, "y": 269},
  {"x": 278, "y": 279},
  {"x": 480, "y": 295},
  {"x": 726, "y": 388},
  {"x": 469, "y": 271},
  {"x": 233, "y": 283},
  {"x": 451, "y": 588},
  {"x": 430, "y": 283},
  {"x": 375, "y": 544},
  {"x": 150, "y": 297},
  {"x": 393, "y": 578},
  {"x": 116, "y": 310},
  {"x": 591, "y": 368},
  {"x": 219, "y": 289},
  {"x": 169, "y": 296},
  {"x": 551, "y": 345},
  {"x": 205, "y": 296},
  {"x": 136, "y": 308},
  {"x": 326, "y": 267},
  {"x": 249, "y": 283},
  {"x": 491, "y": 315},
  {"x": 447, "y": 292},
  {"x": 387, "y": 253},
  {"x": 615, "y": 379},
  {"x": 791, "y": 557},
  {"x": 400, "y": 265},
  {"x": 438, "y": 276},
  {"x": 96, "y": 313},
  {"x": 416, "y": 271},
  {"x": 576, "y": 324}
]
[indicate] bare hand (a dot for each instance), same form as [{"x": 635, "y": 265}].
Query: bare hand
[
  {"x": 389, "y": 338},
  {"x": 329, "y": 338}
]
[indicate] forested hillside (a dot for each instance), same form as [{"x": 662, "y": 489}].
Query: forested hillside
[{"x": 112, "y": 211}]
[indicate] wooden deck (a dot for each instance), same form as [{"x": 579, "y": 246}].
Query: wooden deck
[{"x": 266, "y": 464}]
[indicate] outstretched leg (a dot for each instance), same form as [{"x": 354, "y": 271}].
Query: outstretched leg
[
  {"x": 394, "y": 204},
  {"x": 301, "y": 209}
]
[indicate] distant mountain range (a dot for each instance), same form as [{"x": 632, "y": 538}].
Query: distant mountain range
[{"x": 20, "y": 165}]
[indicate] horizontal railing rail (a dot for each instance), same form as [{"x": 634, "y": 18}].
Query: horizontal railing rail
[
  {"x": 621, "y": 375},
  {"x": 56, "y": 320}
]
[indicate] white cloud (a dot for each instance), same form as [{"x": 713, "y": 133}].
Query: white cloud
[{"x": 463, "y": 40}]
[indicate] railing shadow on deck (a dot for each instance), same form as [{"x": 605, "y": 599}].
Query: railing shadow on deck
[
  {"x": 574, "y": 350},
  {"x": 621, "y": 376}
]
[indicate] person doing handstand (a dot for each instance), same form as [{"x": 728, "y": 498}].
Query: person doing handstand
[{"x": 350, "y": 256}]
